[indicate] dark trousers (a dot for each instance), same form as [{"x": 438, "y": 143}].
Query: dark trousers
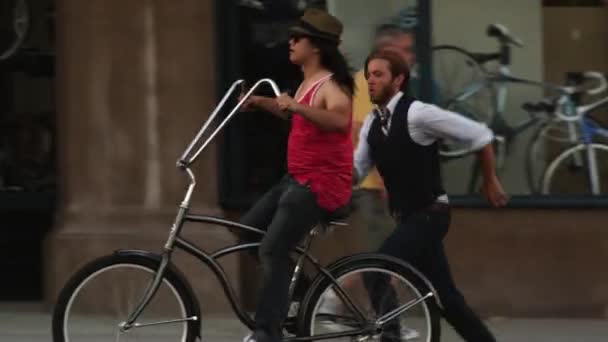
[
  {"x": 418, "y": 240},
  {"x": 288, "y": 211},
  {"x": 373, "y": 212}
]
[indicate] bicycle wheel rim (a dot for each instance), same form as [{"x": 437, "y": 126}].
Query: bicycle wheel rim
[
  {"x": 564, "y": 177},
  {"x": 20, "y": 25},
  {"x": 426, "y": 332},
  {"x": 94, "y": 327}
]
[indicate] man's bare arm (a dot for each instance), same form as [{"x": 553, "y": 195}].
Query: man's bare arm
[
  {"x": 267, "y": 104},
  {"x": 491, "y": 187}
]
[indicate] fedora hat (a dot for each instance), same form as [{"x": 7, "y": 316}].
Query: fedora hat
[{"x": 320, "y": 24}]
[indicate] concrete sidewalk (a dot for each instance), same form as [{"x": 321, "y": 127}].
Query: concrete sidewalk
[{"x": 28, "y": 322}]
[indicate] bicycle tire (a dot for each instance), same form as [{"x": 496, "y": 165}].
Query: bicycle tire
[
  {"x": 80, "y": 277},
  {"x": 21, "y": 33},
  {"x": 461, "y": 50},
  {"x": 548, "y": 177},
  {"x": 447, "y": 95},
  {"x": 366, "y": 261}
]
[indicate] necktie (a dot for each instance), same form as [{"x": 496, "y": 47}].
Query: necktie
[{"x": 383, "y": 114}]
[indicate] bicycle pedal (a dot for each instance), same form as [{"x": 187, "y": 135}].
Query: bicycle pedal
[{"x": 293, "y": 309}]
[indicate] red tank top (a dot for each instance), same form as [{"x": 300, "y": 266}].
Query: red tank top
[{"x": 321, "y": 159}]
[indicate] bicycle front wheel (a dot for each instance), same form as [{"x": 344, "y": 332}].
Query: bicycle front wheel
[
  {"x": 379, "y": 289},
  {"x": 579, "y": 170},
  {"x": 100, "y": 296}
]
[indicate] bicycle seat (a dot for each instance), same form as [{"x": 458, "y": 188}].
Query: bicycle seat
[
  {"x": 502, "y": 33},
  {"x": 336, "y": 217}
]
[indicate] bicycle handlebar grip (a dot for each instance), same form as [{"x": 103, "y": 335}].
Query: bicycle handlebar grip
[{"x": 181, "y": 164}]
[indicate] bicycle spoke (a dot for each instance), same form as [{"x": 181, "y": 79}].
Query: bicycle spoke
[
  {"x": 386, "y": 300},
  {"x": 398, "y": 311}
]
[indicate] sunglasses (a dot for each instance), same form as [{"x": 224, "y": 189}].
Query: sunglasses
[{"x": 295, "y": 36}]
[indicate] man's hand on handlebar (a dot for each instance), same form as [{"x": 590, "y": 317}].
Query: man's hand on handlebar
[
  {"x": 249, "y": 104},
  {"x": 264, "y": 103},
  {"x": 286, "y": 103}
]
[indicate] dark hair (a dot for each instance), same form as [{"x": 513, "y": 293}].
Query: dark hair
[
  {"x": 396, "y": 64},
  {"x": 333, "y": 60}
]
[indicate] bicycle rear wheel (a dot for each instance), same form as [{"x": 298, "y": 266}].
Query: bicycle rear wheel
[
  {"x": 100, "y": 296},
  {"x": 459, "y": 80},
  {"x": 377, "y": 287}
]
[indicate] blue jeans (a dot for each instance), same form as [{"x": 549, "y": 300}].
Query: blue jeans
[{"x": 288, "y": 211}]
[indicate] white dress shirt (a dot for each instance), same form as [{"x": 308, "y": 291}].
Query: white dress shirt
[{"x": 426, "y": 123}]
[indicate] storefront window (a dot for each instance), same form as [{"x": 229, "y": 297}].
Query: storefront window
[{"x": 500, "y": 63}]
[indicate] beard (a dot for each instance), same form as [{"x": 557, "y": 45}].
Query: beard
[{"x": 382, "y": 95}]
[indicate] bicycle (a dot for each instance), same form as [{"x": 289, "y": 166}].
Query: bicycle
[
  {"x": 162, "y": 278},
  {"x": 482, "y": 94},
  {"x": 580, "y": 156}
]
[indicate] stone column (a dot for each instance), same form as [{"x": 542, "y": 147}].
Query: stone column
[{"x": 135, "y": 81}]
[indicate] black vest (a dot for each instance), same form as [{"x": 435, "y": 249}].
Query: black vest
[{"x": 411, "y": 172}]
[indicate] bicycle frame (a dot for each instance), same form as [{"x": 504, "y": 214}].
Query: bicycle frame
[
  {"x": 498, "y": 83},
  {"x": 591, "y": 129},
  {"x": 210, "y": 259}
]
